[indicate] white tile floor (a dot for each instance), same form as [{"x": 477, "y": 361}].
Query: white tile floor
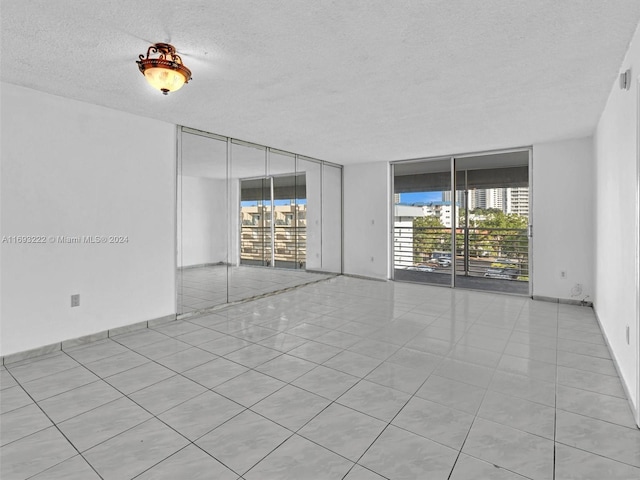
[
  {"x": 343, "y": 379},
  {"x": 200, "y": 288}
]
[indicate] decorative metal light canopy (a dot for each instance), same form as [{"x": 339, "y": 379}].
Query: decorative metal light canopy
[{"x": 165, "y": 72}]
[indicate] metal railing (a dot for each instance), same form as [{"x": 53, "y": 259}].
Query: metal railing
[
  {"x": 289, "y": 244},
  {"x": 480, "y": 252}
]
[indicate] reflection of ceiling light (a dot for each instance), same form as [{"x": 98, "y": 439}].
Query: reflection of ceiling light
[{"x": 166, "y": 72}]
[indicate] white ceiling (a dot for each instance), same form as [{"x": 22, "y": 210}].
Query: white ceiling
[{"x": 345, "y": 81}]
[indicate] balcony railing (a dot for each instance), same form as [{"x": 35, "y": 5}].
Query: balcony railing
[
  {"x": 289, "y": 245},
  {"x": 480, "y": 252}
]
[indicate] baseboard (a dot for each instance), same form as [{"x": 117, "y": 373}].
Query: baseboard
[
  {"x": 202, "y": 265},
  {"x": 86, "y": 339},
  {"x": 364, "y": 277},
  {"x": 564, "y": 301},
  {"x": 625, "y": 387}
]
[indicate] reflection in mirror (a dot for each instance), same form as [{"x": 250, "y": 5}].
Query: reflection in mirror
[
  {"x": 311, "y": 172},
  {"x": 202, "y": 218},
  {"x": 251, "y": 221}
]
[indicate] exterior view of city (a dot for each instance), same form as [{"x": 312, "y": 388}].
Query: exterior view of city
[{"x": 491, "y": 233}]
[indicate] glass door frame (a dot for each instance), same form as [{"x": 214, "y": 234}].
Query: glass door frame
[{"x": 452, "y": 159}]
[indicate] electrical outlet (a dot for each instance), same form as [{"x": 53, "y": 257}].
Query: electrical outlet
[
  {"x": 75, "y": 300},
  {"x": 563, "y": 274}
]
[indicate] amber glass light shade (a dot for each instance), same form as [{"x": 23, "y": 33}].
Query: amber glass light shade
[{"x": 166, "y": 72}]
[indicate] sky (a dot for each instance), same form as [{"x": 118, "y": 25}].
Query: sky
[{"x": 421, "y": 197}]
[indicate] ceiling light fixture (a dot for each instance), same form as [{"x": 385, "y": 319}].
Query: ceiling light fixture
[{"x": 166, "y": 72}]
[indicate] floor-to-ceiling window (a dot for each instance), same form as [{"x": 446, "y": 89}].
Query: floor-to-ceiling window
[
  {"x": 476, "y": 206},
  {"x": 252, "y": 220}
]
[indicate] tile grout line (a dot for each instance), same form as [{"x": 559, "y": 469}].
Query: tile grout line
[{"x": 54, "y": 424}]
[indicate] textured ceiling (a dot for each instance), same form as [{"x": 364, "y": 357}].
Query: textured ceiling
[{"x": 345, "y": 81}]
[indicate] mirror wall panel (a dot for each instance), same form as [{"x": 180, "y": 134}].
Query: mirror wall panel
[
  {"x": 252, "y": 220},
  {"x": 202, "y": 219},
  {"x": 310, "y": 172}
]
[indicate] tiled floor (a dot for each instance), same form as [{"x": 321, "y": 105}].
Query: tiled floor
[
  {"x": 200, "y": 288},
  {"x": 342, "y": 379}
]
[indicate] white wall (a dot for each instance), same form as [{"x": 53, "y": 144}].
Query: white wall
[
  {"x": 562, "y": 218},
  {"x": 71, "y": 168},
  {"x": 366, "y": 219},
  {"x": 616, "y": 263},
  {"x": 202, "y": 220}
]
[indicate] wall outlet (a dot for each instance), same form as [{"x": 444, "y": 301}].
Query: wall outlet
[
  {"x": 75, "y": 300},
  {"x": 563, "y": 274}
]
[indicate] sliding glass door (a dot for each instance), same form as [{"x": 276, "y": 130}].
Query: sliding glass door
[
  {"x": 423, "y": 222},
  {"x": 483, "y": 219},
  {"x": 492, "y": 200},
  {"x": 273, "y": 219},
  {"x": 255, "y": 221}
]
